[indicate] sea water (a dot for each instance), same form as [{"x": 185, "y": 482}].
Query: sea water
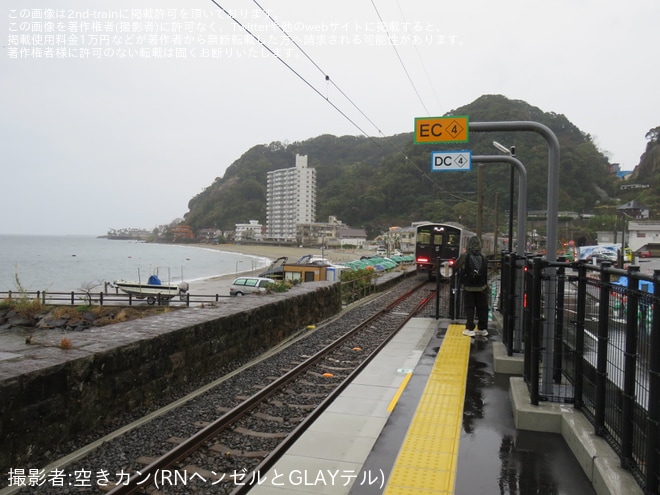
[{"x": 71, "y": 263}]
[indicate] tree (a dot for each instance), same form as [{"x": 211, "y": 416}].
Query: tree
[
  {"x": 379, "y": 182},
  {"x": 653, "y": 136},
  {"x": 87, "y": 289}
]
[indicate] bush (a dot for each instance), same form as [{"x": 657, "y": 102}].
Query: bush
[
  {"x": 356, "y": 284},
  {"x": 363, "y": 275},
  {"x": 281, "y": 285},
  {"x": 27, "y": 308}
]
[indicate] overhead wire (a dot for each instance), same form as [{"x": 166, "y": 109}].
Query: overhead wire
[
  {"x": 328, "y": 80},
  {"x": 393, "y": 45},
  {"x": 405, "y": 70},
  {"x": 280, "y": 59},
  {"x": 421, "y": 60}
]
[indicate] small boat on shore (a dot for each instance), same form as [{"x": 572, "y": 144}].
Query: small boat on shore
[
  {"x": 276, "y": 269},
  {"x": 154, "y": 290}
]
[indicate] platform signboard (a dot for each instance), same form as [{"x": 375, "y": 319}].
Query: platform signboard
[
  {"x": 432, "y": 130},
  {"x": 451, "y": 161}
]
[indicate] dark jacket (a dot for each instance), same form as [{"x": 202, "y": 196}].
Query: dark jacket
[{"x": 473, "y": 247}]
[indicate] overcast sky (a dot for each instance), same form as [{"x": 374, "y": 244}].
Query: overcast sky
[{"x": 118, "y": 122}]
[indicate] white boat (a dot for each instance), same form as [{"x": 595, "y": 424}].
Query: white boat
[
  {"x": 154, "y": 290},
  {"x": 313, "y": 259}
]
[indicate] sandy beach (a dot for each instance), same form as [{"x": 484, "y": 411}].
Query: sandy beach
[{"x": 220, "y": 285}]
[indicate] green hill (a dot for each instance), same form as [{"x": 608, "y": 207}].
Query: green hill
[{"x": 375, "y": 183}]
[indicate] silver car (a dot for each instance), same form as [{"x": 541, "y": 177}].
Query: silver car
[{"x": 249, "y": 285}]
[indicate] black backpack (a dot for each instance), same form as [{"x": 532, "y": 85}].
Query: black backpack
[{"x": 475, "y": 271}]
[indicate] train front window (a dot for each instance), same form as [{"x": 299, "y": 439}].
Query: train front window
[
  {"x": 423, "y": 237},
  {"x": 452, "y": 247}
]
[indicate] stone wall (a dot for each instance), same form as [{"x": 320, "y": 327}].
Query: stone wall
[{"x": 52, "y": 395}]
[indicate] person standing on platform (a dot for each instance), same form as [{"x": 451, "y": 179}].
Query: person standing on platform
[{"x": 473, "y": 268}]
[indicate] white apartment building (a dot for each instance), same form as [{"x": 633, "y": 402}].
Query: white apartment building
[
  {"x": 250, "y": 231},
  {"x": 290, "y": 200}
]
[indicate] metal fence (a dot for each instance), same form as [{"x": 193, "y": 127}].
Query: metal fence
[
  {"x": 352, "y": 291},
  {"x": 448, "y": 300},
  {"x": 597, "y": 349},
  {"x": 106, "y": 298}
]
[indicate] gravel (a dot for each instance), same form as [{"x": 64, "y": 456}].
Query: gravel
[{"x": 121, "y": 454}]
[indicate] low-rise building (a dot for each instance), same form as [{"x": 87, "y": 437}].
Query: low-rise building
[
  {"x": 644, "y": 235},
  {"x": 251, "y": 231},
  {"x": 351, "y": 237},
  {"x": 181, "y": 231},
  {"x": 633, "y": 209},
  {"x": 333, "y": 233},
  {"x": 208, "y": 234}
]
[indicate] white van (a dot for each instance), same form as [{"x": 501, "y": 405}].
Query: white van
[{"x": 249, "y": 285}]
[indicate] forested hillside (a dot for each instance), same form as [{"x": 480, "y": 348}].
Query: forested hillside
[
  {"x": 375, "y": 183},
  {"x": 648, "y": 173}
]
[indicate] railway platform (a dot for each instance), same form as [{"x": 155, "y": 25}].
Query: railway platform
[{"x": 430, "y": 415}]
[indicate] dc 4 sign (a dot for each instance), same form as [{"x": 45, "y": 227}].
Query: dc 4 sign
[{"x": 451, "y": 161}]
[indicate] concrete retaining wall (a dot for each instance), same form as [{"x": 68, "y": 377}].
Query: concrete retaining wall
[{"x": 49, "y": 395}]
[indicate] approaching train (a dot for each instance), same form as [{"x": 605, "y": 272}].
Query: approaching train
[{"x": 443, "y": 243}]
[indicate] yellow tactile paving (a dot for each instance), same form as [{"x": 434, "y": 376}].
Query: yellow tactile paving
[{"x": 426, "y": 464}]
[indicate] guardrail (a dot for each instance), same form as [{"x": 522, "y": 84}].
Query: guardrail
[
  {"x": 602, "y": 354},
  {"x": 449, "y": 292},
  {"x": 108, "y": 299}
]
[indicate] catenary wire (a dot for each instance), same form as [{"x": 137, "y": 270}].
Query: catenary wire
[
  {"x": 325, "y": 74},
  {"x": 327, "y": 78},
  {"x": 311, "y": 86},
  {"x": 421, "y": 61},
  {"x": 419, "y": 97},
  {"x": 280, "y": 59}
]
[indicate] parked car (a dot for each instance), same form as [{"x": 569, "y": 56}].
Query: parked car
[
  {"x": 644, "y": 254},
  {"x": 249, "y": 285}
]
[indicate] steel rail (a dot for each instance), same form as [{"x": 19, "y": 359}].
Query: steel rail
[
  {"x": 270, "y": 460},
  {"x": 191, "y": 444}
]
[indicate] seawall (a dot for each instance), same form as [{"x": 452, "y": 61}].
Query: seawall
[{"x": 50, "y": 395}]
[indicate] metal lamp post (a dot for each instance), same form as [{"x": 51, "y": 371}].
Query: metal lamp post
[{"x": 511, "y": 152}]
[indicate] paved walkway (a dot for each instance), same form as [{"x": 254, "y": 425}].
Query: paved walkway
[{"x": 427, "y": 419}]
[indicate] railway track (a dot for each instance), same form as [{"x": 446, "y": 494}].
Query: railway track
[{"x": 224, "y": 455}]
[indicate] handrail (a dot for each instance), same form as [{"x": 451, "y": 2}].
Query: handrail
[{"x": 73, "y": 298}]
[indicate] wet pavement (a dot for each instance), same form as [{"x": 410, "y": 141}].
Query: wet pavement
[{"x": 494, "y": 457}]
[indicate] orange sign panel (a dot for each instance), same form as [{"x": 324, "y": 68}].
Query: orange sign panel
[{"x": 441, "y": 129}]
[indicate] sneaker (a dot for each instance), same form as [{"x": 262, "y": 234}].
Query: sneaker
[
  {"x": 468, "y": 333},
  {"x": 481, "y": 333}
]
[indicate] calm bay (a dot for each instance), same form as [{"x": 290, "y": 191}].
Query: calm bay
[{"x": 68, "y": 263}]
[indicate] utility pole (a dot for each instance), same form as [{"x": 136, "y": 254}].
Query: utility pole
[
  {"x": 480, "y": 200},
  {"x": 497, "y": 219}
]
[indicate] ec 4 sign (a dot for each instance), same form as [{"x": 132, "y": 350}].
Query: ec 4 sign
[
  {"x": 431, "y": 130},
  {"x": 451, "y": 161}
]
